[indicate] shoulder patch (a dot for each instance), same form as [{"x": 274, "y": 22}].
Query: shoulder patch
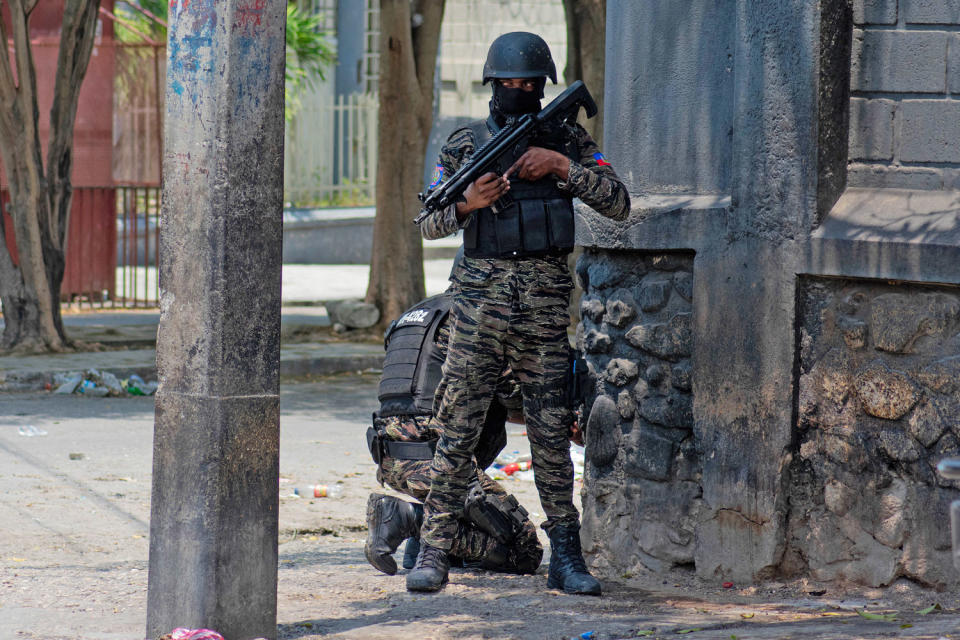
[
  {"x": 437, "y": 176},
  {"x": 600, "y": 159}
]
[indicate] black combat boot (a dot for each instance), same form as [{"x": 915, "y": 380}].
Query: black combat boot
[
  {"x": 430, "y": 571},
  {"x": 568, "y": 571},
  {"x": 410, "y": 552},
  {"x": 412, "y": 548},
  {"x": 389, "y": 521}
]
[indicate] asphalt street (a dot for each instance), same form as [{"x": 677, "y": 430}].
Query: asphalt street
[
  {"x": 74, "y": 525},
  {"x": 74, "y": 502}
]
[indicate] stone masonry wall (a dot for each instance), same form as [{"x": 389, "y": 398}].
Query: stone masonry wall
[
  {"x": 904, "y": 107},
  {"x": 642, "y": 476},
  {"x": 878, "y": 407}
]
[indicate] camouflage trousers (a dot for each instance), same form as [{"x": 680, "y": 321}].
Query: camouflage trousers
[
  {"x": 502, "y": 323},
  {"x": 469, "y": 543}
]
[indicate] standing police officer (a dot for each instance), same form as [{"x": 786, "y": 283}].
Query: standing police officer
[{"x": 511, "y": 306}]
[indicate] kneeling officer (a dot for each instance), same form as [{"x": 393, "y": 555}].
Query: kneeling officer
[{"x": 495, "y": 532}]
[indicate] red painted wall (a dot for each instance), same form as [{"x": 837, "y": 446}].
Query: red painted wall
[
  {"x": 93, "y": 130},
  {"x": 91, "y": 243}
]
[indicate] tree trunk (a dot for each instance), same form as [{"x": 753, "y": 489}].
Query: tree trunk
[
  {"x": 586, "y": 46},
  {"x": 39, "y": 200},
  {"x": 408, "y": 57}
]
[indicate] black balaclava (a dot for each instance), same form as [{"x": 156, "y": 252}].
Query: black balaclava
[{"x": 508, "y": 104}]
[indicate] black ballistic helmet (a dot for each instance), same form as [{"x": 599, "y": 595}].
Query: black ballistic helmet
[{"x": 519, "y": 55}]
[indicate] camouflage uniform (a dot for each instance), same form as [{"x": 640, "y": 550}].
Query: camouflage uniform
[
  {"x": 413, "y": 477},
  {"x": 510, "y": 312}
]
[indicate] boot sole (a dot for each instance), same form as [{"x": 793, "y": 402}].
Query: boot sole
[
  {"x": 428, "y": 588},
  {"x": 384, "y": 564}
]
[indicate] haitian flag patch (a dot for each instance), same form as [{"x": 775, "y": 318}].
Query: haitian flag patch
[
  {"x": 600, "y": 159},
  {"x": 437, "y": 176}
]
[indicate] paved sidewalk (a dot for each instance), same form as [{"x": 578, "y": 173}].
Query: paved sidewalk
[{"x": 133, "y": 332}]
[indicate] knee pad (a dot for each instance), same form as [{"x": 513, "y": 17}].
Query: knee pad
[{"x": 503, "y": 519}]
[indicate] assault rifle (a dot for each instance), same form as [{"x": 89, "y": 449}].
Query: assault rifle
[{"x": 563, "y": 108}]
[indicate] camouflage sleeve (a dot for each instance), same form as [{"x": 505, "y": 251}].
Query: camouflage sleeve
[
  {"x": 443, "y": 223},
  {"x": 594, "y": 181}
]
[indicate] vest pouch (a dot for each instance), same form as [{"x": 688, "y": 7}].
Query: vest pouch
[
  {"x": 561, "y": 223},
  {"x": 534, "y": 222},
  {"x": 508, "y": 232}
]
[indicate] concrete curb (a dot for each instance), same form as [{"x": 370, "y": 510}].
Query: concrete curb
[{"x": 328, "y": 365}]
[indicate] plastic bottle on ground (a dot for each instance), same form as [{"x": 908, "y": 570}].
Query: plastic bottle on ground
[{"x": 320, "y": 491}]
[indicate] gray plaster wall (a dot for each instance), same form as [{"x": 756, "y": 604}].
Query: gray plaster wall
[
  {"x": 905, "y": 72},
  {"x": 673, "y": 62}
]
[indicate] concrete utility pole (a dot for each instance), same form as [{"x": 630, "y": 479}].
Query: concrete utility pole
[{"x": 213, "y": 531}]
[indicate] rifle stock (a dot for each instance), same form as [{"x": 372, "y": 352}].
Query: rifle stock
[{"x": 564, "y": 107}]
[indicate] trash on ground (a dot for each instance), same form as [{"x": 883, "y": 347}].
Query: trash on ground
[
  {"x": 70, "y": 384},
  {"x": 135, "y": 386},
  {"x": 579, "y": 457},
  {"x": 728, "y": 585},
  {"x": 316, "y": 491},
  {"x": 76, "y": 456},
  {"x": 506, "y": 458},
  {"x": 30, "y": 431},
  {"x": 526, "y": 476},
  {"x": 182, "y": 633},
  {"x": 514, "y": 463},
  {"x": 883, "y": 617},
  {"x": 513, "y": 467},
  {"x": 98, "y": 384},
  {"x": 90, "y": 388}
]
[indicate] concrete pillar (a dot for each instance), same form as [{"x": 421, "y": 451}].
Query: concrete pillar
[
  {"x": 789, "y": 152},
  {"x": 213, "y": 533},
  {"x": 743, "y": 356}
]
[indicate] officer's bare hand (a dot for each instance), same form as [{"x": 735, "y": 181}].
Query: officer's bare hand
[
  {"x": 483, "y": 192},
  {"x": 576, "y": 435},
  {"x": 537, "y": 162}
]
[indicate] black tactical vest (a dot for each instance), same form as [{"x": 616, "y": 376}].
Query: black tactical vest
[
  {"x": 411, "y": 367},
  {"x": 539, "y": 219}
]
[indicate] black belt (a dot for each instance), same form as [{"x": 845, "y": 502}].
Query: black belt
[{"x": 382, "y": 448}]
